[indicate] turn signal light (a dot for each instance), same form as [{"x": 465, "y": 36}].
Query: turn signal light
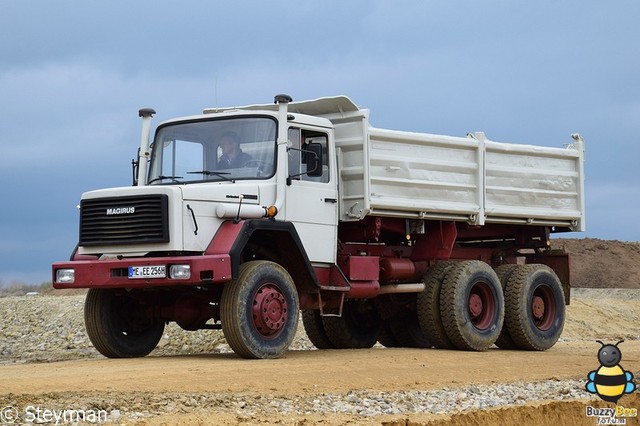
[{"x": 272, "y": 211}]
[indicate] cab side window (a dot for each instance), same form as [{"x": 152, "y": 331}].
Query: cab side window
[{"x": 300, "y": 157}]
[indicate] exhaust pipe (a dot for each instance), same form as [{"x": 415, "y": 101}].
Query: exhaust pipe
[
  {"x": 282, "y": 144},
  {"x": 143, "y": 152}
]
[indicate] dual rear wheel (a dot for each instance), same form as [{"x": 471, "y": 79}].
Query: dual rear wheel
[
  {"x": 534, "y": 308},
  {"x": 357, "y": 328},
  {"x": 468, "y": 305},
  {"x": 364, "y": 322},
  {"x": 465, "y": 305}
]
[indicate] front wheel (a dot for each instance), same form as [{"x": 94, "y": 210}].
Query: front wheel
[
  {"x": 119, "y": 324},
  {"x": 259, "y": 310}
]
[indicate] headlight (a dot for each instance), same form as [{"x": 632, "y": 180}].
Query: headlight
[
  {"x": 180, "y": 272},
  {"x": 65, "y": 276}
]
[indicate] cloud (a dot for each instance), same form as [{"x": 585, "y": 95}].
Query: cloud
[{"x": 73, "y": 76}]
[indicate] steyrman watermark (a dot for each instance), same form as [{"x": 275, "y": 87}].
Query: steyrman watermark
[
  {"x": 38, "y": 415},
  {"x": 9, "y": 415}
]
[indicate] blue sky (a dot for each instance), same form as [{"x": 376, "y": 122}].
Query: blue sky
[{"x": 73, "y": 75}]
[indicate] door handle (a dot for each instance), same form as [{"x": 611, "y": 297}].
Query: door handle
[{"x": 330, "y": 200}]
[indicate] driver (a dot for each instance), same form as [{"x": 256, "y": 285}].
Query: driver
[{"x": 232, "y": 156}]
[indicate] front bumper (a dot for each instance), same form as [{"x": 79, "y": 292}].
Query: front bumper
[{"x": 113, "y": 273}]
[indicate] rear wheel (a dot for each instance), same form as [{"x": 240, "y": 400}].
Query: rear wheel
[
  {"x": 428, "y": 306},
  {"x": 400, "y": 326},
  {"x": 387, "y": 306},
  {"x": 313, "y": 326},
  {"x": 118, "y": 324},
  {"x": 535, "y": 309},
  {"x": 386, "y": 337},
  {"x": 472, "y": 305},
  {"x": 505, "y": 341},
  {"x": 358, "y": 327},
  {"x": 407, "y": 332},
  {"x": 259, "y": 310}
]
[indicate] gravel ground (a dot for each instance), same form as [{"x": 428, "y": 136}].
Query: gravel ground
[
  {"x": 141, "y": 405},
  {"x": 46, "y": 329}
]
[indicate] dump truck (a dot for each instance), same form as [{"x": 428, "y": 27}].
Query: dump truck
[{"x": 248, "y": 219}]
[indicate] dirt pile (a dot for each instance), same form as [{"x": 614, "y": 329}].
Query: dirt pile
[{"x": 601, "y": 263}]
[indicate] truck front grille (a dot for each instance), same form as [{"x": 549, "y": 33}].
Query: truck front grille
[{"x": 124, "y": 220}]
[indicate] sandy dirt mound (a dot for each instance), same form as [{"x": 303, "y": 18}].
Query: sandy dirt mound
[{"x": 602, "y": 264}]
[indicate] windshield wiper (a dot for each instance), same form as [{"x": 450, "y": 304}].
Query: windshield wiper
[
  {"x": 173, "y": 178},
  {"x": 212, "y": 173}
]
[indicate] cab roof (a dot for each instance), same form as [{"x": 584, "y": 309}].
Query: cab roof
[{"x": 321, "y": 107}]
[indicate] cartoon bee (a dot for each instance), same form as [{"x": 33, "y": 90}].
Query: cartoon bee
[{"x": 610, "y": 381}]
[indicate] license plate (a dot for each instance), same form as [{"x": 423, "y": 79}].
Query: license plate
[{"x": 157, "y": 271}]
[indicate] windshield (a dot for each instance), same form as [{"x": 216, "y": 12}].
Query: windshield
[{"x": 213, "y": 150}]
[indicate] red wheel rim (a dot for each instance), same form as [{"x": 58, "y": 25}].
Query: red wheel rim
[
  {"x": 543, "y": 307},
  {"x": 481, "y": 306},
  {"x": 269, "y": 311}
]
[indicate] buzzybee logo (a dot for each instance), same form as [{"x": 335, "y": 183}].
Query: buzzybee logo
[{"x": 610, "y": 381}]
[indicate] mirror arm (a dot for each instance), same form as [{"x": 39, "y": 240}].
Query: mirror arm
[{"x": 315, "y": 157}]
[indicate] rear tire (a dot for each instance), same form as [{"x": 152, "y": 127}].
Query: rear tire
[
  {"x": 259, "y": 310},
  {"x": 535, "y": 309},
  {"x": 313, "y": 326},
  {"x": 386, "y": 337},
  {"x": 428, "y": 306},
  {"x": 118, "y": 325},
  {"x": 505, "y": 341},
  {"x": 407, "y": 332},
  {"x": 357, "y": 328},
  {"x": 472, "y": 305}
]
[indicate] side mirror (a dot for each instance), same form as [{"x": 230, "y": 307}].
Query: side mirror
[
  {"x": 134, "y": 169},
  {"x": 314, "y": 159}
]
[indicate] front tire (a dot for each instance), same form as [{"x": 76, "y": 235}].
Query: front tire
[
  {"x": 118, "y": 324},
  {"x": 259, "y": 310}
]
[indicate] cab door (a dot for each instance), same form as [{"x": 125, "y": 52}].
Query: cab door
[{"x": 311, "y": 202}]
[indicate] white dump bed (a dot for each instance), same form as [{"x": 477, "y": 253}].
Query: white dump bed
[{"x": 471, "y": 179}]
